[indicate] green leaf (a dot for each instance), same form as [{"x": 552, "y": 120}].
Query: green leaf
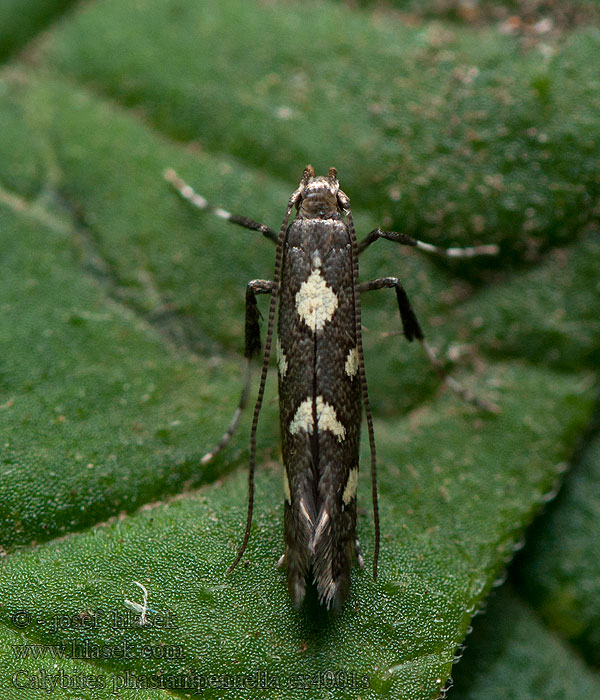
[
  {"x": 561, "y": 575},
  {"x": 25, "y": 674},
  {"x": 511, "y": 654},
  {"x": 20, "y": 22},
  {"x": 123, "y": 321},
  {"x": 441, "y": 129},
  {"x": 529, "y": 20},
  {"x": 450, "y": 523}
]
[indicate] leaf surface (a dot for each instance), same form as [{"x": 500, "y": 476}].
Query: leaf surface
[{"x": 123, "y": 323}]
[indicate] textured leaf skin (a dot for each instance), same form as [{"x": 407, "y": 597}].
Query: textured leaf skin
[
  {"x": 59, "y": 676},
  {"x": 561, "y": 573},
  {"x": 511, "y": 655},
  {"x": 465, "y": 116},
  {"x": 520, "y": 18},
  {"x": 122, "y": 317}
]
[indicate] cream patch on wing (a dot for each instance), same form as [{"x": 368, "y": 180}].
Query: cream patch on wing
[
  {"x": 326, "y": 418},
  {"x": 303, "y": 418},
  {"x": 351, "y": 484},
  {"x": 316, "y": 301},
  {"x": 351, "y": 366},
  {"x": 282, "y": 363}
]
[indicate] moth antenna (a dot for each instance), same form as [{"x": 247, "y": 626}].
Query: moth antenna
[
  {"x": 345, "y": 204},
  {"x": 265, "y": 365}
]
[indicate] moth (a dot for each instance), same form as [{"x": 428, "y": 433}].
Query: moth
[{"x": 321, "y": 372}]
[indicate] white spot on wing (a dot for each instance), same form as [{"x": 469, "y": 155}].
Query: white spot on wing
[
  {"x": 351, "y": 484},
  {"x": 316, "y": 302},
  {"x": 282, "y": 363},
  {"x": 286, "y": 487},
  {"x": 303, "y": 418},
  {"x": 326, "y": 418},
  {"x": 352, "y": 362}
]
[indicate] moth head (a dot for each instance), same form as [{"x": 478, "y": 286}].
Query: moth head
[{"x": 319, "y": 195}]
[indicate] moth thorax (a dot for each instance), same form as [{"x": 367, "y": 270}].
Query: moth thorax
[{"x": 319, "y": 199}]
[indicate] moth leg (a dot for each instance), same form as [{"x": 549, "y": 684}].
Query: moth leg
[
  {"x": 404, "y": 239},
  {"x": 252, "y": 348},
  {"x": 228, "y": 434},
  {"x": 410, "y": 323},
  {"x": 197, "y": 200},
  {"x": 293, "y": 201},
  {"x": 412, "y": 330},
  {"x": 253, "y": 315}
]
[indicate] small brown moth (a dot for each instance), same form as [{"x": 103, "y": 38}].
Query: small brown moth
[{"x": 322, "y": 382}]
